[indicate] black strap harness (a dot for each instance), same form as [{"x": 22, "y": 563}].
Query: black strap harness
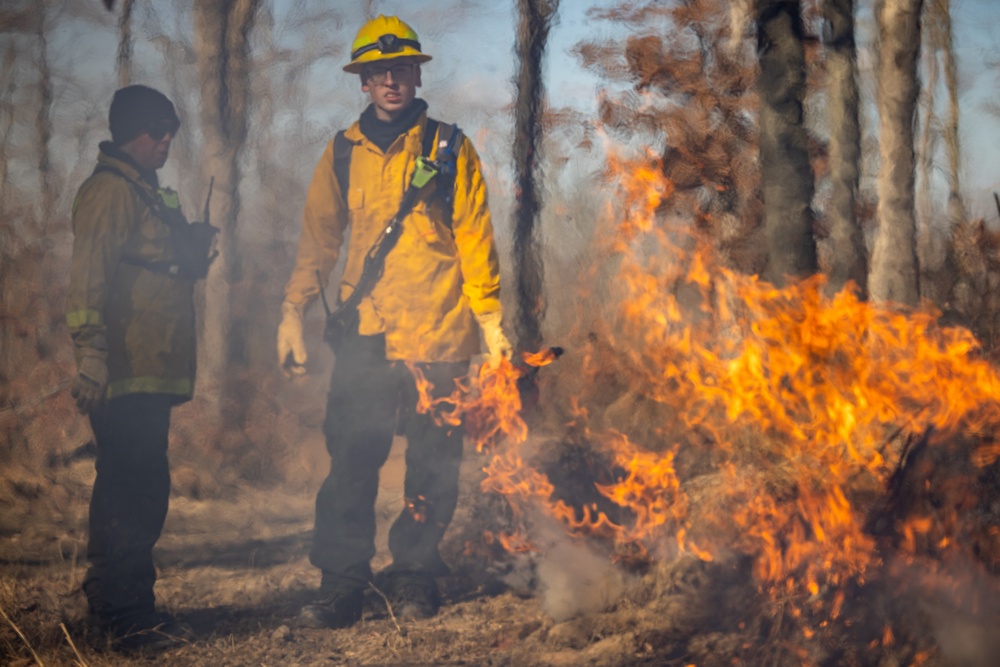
[
  {"x": 442, "y": 167},
  {"x": 449, "y": 138},
  {"x": 192, "y": 241}
]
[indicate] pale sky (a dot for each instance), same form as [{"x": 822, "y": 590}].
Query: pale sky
[{"x": 976, "y": 26}]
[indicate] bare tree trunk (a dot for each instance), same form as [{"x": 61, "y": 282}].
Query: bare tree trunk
[
  {"x": 894, "y": 268},
  {"x": 43, "y": 120},
  {"x": 849, "y": 256},
  {"x": 939, "y": 276},
  {"x": 7, "y": 114},
  {"x": 924, "y": 194},
  {"x": 222, "y": 28},
  {"x": 11, "y": 247},
  {"x": 786, "y": 175},
  {"x": 183, "y": 149},
  {"x": 535, "y": 19},
  {"x": 956, "y": 205},
  {"x": 25, "y": 317},
  {"x": 263, "y": 142},
  {"x": 123, "y": 61}
]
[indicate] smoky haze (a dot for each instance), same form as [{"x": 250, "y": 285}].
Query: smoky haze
[{"x": 234, "y": 549}]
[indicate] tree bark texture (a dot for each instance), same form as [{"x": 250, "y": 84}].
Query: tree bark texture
[
  {"x": 123, "y": 60},
  {"x": 535, "y": 19},
  {"x": 8, "y": 110},
  {"x": 786, "y": 174},
  {"x": 222, "y": 29},
  {"x": 924, "y": 157},
  {"x": 894, "y": 266},
  {"x": 956, "y": 203},
  {"x": 849, "y": 256},
  {"x": 43, "y": 120},
  {"x": 27, "y": 317}
]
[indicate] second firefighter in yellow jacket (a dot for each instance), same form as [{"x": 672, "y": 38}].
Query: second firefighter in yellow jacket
[
  {"x": 130, "y": 311},
  {"x": 440, "y": 285}
]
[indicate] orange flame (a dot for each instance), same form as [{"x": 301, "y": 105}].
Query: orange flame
[{"x": 801, "y": 401}]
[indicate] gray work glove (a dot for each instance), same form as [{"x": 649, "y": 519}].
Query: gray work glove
[{"x": 91, "y": 380}]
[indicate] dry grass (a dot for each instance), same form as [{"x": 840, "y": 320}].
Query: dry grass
[
  {"x": 236, "y": 569},
  {"x": 234, "y": 566}
]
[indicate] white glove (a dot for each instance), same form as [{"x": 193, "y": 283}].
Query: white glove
[
  {"x": 496, "y": 341},
  {"x": 291, "y": 345},
  {"x": 91, "y": 379}
]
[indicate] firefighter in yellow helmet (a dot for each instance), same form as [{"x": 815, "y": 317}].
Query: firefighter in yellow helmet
[{"x": 438, "y": 288}]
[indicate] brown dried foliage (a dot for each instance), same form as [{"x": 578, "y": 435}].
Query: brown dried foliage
[
  {"x": 970, "y": 280},
  {"x": 702, "y": 106}
]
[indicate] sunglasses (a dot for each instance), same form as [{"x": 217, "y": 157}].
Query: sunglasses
[{"x": 157, "y": 131}]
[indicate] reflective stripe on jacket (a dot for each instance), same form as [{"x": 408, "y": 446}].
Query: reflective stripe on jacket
[
  {"x": 144, "y": 319},
  {"x": 435, "y": 278}
]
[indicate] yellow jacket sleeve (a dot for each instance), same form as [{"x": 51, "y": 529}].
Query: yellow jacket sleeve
[
  {"x": 473, "y": 230},
  {"x": 324, "y": 220},
  {"x": 102, "y": 219}
]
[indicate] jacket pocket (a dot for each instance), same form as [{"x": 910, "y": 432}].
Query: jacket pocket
[{"x": 355, "y": 198}]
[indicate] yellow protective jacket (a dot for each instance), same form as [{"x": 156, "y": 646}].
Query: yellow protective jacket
[
  {"x": 435, "y": 278},
  {"x": 144, "y": 319}
]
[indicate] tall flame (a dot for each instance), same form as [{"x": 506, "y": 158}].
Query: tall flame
[{"x": 803, "y": 403}]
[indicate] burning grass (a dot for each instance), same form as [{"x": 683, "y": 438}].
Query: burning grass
[{"x": 835, "y": 451}]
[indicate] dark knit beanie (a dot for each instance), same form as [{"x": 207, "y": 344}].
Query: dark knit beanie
[{"x": 134, "y": 109}]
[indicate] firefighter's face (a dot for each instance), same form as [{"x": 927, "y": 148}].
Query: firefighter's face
[
  {"x": 151, "y": 148},
  {"x": 392, "y": 85}
]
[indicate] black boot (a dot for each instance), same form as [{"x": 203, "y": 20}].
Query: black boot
[
  {"x": 414, "y": 598},
  {"x": 338, "y": 609}
]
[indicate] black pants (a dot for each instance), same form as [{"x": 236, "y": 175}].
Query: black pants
[
  {"x": 128, "y": 505},
  {"x": 370, "y": 398}
]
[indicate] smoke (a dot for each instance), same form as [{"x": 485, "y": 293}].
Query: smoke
[
  {"x": 965, "y": 641},
  {"x": 575, "y": 581},
  {"x": 572, "y": 578},
  {"x": 963, "y": 614}
]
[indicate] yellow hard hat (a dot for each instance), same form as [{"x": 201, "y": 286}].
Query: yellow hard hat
[{"x": 384, "y": 38}]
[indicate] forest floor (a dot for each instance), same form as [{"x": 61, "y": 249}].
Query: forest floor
[
  {"x": 233, "y": 564},
  {"x": 236, "y": 569}
]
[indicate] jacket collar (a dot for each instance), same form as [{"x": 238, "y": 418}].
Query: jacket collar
[
  {"x": 411, "y": 136},
  {"x": 384, "y": 133},
  {"x": 111, "y": 155}
]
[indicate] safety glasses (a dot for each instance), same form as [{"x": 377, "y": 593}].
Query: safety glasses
[
  {"x": 379, "y": 74},
  {"x": 157, "y": 131}
]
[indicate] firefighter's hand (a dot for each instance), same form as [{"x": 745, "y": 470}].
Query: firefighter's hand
[
  {"x": 496, "y": 341},
  {"x": 291, "y": 345},
  {"x": 91, "y": 380}
]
